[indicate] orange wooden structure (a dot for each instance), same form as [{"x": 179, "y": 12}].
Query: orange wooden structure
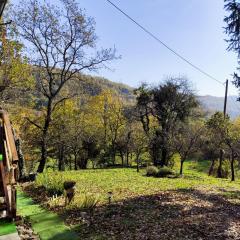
[{"x": 8, "y": 168}]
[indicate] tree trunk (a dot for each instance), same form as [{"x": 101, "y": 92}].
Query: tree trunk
[
  {"x": 122, "y": 157},
  {"x": 61, "y": 159},
  {"x": 21, "y": 162},
  {"x": 181, "y": 167},
  {"x": 219, "y": 171},
  {"x": 154, "y": 154},
  {"x": 232, "y": 168},
  {"x": 163, "y": 161},
  {"x": 127, "y": 158},
  {"x": 43, "y": 155},
  {"x": 75, "y": 161},
  {"x": 211, "y": 167},
  {"x": 137, "y": 162},
  {"x": 44, "y": 137}
]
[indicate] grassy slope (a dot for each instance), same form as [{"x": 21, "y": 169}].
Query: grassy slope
[
  {"x": 127, "y": 183},
  {"x": 193, "y": 207}
]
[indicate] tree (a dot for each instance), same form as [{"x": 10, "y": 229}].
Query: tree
[
  {"x": 168, "y": 104},
  {"x": 232, "y": 29},
  {"x": 60, "y": 132},
  {"x": 106, "y": 112},
  {"x": 210, "y": 149},
  {"x": 61, "y": 43},
  {"x": 228, "y": 135},
  {"x": 15, "y": 73},
  {"x": 217, "y": 129},
  {"x": 186, "y": 139},
  {"x": 139, "y": 143}
]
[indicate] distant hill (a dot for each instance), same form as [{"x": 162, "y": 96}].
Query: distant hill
[
  {"x": 94, "y": 85},
  {"x": 212, "y": 104}
]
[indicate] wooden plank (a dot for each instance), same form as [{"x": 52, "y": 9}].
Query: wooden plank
[
  {"x": 8, "y": 164},
  {"x": 9, "y": 135},
  {"x": 6, "y": 156},
  {"x": 9, "y": 157},
  {"x": 14, "y": 202},
  {"x": 2, "y": 176}
]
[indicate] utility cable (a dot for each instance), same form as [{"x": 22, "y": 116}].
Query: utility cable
[{"x": 164, "y": 44}]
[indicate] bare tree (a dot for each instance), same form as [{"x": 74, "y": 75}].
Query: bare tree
[{"x": 61, "y": 42}]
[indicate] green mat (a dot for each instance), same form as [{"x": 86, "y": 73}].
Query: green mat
[
  {"x": 7, "y": 228},
  {"x": 48, "y": 225}
]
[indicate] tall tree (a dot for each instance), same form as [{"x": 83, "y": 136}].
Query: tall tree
[
  {"x": 169, "y": 103},
  {"x": 216, "y": 126},
  {"x": 106, "y": 112},
  {"x": 61, "y": 43},
  {"x": 228, "y": 135},
  {"x": 232, "y": 29}
]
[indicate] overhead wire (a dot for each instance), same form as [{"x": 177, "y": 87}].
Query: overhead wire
[
  {"x": 164, "y": 44},
  {"x": 169, "y": 48}
]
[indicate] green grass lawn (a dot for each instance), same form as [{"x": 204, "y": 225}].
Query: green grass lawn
[
  {"x": 7, "y": 227},
  {"x": 46, "y": 224},
  {"x": 127, "y": 183},
  {"x": 194, "y": 206}
]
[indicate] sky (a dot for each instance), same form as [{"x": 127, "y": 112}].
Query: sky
[{"x": 194, "y": 28}]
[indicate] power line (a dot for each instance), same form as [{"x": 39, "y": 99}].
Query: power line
[{"x": 164, "y": 44}]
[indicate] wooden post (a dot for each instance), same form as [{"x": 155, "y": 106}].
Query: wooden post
[
  {"x": 225, "y": 99},
  {"x": 3, "y": 177},
  {"x": 219, "y": 171}
]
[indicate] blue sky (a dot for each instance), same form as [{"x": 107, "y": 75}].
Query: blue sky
[{"x": 192, "y": 27}]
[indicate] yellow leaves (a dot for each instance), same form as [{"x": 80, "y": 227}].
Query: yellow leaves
[
  {"x": 105, "y": 112},
  {"x": 14, "y": 68}
]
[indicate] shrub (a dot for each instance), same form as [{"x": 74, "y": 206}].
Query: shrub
[
  {"x": 56, "y": 201},
  {"x": 53, "y": 182},
  {"x": 152, "y": 171},
  {"x": 165, "y": 172},
  {"x": 84, "y": 201}
]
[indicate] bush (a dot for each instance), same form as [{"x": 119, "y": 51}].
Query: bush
[
  {"x": 53, "y": 182},
  {"x": 56, "y": 201},
  {"x": 151, "y": 171},
  {"x": 165, "y": 172},
  {"x": 84, "y": 201}
]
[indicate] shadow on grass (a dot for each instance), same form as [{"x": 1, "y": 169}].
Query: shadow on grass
[{"x": 181, "y": 214}]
